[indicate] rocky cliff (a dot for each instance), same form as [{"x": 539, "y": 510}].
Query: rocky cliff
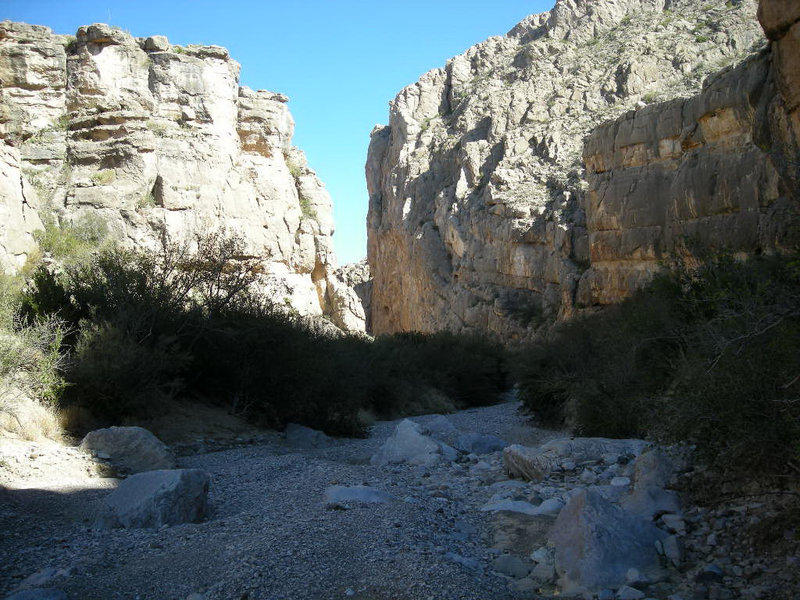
[
  {"x": 479, "y": 218},
  {"x": 719, "y": 170},
  {"x": 153, "y": 137}
]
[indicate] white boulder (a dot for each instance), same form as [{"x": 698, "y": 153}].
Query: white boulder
[
  {"x": 129, "y": 449},
  {"x": 409, "y": 445},
  {"x": 156, "y": 498}
]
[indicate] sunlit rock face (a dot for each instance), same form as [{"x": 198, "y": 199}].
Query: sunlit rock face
[
  {"x": 153, "y": 137},
  {"x": 483, "y": 215}
]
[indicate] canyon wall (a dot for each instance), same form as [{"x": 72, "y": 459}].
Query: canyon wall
[
  {"x": 482, "y": 215},
  {"x": 718, "y": 171},
  {"x": 149, "y": 137}
]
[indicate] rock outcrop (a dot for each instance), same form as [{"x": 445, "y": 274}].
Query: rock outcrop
[
  {"x": 479, "y": 218},
  {"x": 151, "y": 137}
]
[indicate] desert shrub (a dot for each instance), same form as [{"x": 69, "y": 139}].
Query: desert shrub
[
  {"x": 30, "y": 360},
  {"x": 708, "y": 354},
  {"x": 411, "y": 372},
  {"x": 70, "y": 241},
  {"x": 592, "y": 372},
  {"x": 118, "y": 369},
  {"x": 736, "y": 392},
  {"x": 187, "y": 322}
]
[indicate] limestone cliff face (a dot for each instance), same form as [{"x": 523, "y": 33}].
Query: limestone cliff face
[
  {"x": 151, "y": 137},
  {"x": 718, "y": 171},
  {"x": 477, "y": 215}
]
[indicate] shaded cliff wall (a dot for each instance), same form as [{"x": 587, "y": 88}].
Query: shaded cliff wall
[
  {"x": 476, "y": 218},
  {"x": 715, "y": 171},
  {"x": 152, "y": 137}
]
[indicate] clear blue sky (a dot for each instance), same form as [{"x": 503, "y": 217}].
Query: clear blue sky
[{"x": 339, "y": 61}]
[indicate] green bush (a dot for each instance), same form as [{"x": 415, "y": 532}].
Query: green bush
[
  {"x": 71, "y": 241},
  {"x": 30, "y": 356},
  {"x": 188, "y": 323},
  {"x": 709, "y": 355},
  {"x": 469, "y": 370}
]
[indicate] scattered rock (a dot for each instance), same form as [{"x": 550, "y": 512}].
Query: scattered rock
[
  {"x": 535, "y": 463},
  {"x": 156, "y": 498},
  {"x": 511, "y": 565},
  {"x": 629, "y": 593},
  {"x": 441, "y": 428},
  {"x": 130, "y": 449},
  {"x": 672, "y": 549},
  {"x": 468, "y": 563}
]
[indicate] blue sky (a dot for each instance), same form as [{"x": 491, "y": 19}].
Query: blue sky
[{"x": 339, "y": 61}]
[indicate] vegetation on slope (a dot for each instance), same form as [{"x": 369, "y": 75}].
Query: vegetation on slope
[
  {"x": 136, "y": 329},
  {"x": 708, "y": 354}
]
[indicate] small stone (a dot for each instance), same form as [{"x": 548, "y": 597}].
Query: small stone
[
  {"x": 628, "y": 593},
  {"x": 710, "y": 574},
  {"x": 621, "y": 481},
  {"x": 512, "y": 566},
  {"x": 300, "y": 436},
  {"x": 674, "y": 523},
  {"x": 635, "y": 578},
  {"x": 468, "y": 563}
]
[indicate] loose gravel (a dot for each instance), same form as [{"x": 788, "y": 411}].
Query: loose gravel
[{"x": 270, "y": 535}]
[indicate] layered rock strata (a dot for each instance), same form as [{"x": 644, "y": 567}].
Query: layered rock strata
[
  {"x": 478, "y": 217},
  {"x": 718, "y": 171},
  {"x": 150, "y": 137}
]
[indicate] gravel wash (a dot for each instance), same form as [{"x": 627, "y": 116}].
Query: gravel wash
[{"x": 270, "y": 534}]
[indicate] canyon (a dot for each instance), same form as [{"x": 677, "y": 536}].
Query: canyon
[
  {"x": 488, "y": 212},
  {"x": 539, "y": 174}
]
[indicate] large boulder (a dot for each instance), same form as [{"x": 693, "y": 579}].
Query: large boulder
[
  {"x": 304, "y": 437},
  {"x": 156, "y": 498},
  {"x": 534, "y": 464},
  {"x": 596, "y": 542},
  {"x": 130, "y": 449},
  {"x": 409, "y": 445},
  {"x": 651, "y": 474}
]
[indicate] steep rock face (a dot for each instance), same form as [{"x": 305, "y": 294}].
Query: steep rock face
[
  {"x": 718, "y": 170},
  {"x": 152, "y": 137},
  {"x": 476, "y": 217}
]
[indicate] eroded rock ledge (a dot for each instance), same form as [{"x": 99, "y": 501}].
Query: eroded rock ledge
[{"x": 149, "y": 136}]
